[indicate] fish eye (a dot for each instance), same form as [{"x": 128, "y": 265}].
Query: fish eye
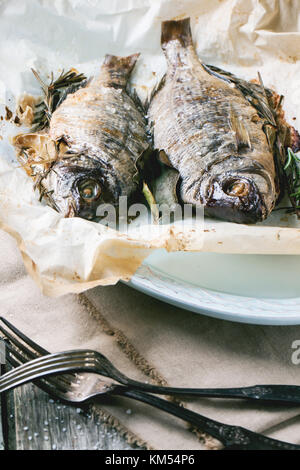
[
  {"x": 237, "y": 188},
  {"x": 89, "y": 190}
]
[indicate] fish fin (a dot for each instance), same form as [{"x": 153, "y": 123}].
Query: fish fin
[
  {"x": 255, "y": 93},
  {"x": 165, "y": 187},
  {"x": 176, "y": 30},
  {"x": 121, "y": 63},
  {"x": 219, "y": 73},
  {"x": 271, "y": 133},
  {"x": 242, "y": 134},
  {"x": 137, "y": 100},
  {"x": 163, "y": 158},
  {"x": 119, "y": 68},
  {"x": 154, "y": 90}
]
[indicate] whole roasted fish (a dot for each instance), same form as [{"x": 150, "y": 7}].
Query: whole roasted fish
[
  {"x": 103, "y": 134},
  {"x": 205, "y": 128}
]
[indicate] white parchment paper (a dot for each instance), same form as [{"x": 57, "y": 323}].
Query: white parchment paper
[{"x": 242, "y": 36}]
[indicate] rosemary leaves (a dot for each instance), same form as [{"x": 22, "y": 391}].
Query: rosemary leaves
[
  {"x": 292, "y": 173},
  {"x": 54, "y": 94}
]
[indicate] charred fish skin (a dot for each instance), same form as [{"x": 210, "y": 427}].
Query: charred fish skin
[
  {"x": 211, "y": 135},
  {"x": 106, "y": 135}
]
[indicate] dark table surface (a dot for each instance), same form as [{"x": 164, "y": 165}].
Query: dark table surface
[{"x": 32, "y": 420}]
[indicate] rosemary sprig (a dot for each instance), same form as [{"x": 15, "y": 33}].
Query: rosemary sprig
[
  {"x": 292, "y": 173},
  {"x": 151, "y": 202},
  {"x": 54, "y": 94}
]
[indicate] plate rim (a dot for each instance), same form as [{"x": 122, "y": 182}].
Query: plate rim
[{"x": 204, "y": 301}]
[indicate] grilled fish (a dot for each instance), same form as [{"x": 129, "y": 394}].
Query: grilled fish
[
  {"x": 104, "y": 134},
  {"x": 205, "y": 128}
]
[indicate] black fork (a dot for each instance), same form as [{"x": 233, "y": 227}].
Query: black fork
[
  {"x": 65, "y": 387},
  {"x": 266, "y": 393}
]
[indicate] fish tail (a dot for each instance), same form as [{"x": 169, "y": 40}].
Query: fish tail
[
  {"x": 176, "y": 30},
  {"x": 119, "y": 68}
]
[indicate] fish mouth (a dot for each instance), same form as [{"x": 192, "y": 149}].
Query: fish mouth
[
  {"x": 236, "y": 199},
  {"x": 88, "y": 214},
  {"x": 73, "y": 208}
]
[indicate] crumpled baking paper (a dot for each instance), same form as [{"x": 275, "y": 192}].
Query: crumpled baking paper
[{"x": 242, "y": 36}]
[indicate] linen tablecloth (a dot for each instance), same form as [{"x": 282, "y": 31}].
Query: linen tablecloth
[{"x": 152, "y": 341}]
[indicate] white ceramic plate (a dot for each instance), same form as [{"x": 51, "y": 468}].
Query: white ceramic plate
[{"x": 260, "y": 289}]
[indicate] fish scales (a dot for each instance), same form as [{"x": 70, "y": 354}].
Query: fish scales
[
  {"x": 211, "y": 135},
  {"x": 99, "y": 122},
  {"x": 106, "y": 135}
]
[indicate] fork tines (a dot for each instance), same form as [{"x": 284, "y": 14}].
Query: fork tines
[{"x": 21, "y": 349}]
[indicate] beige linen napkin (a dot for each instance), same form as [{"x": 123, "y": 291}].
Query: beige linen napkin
[{"x": 153, "y": 341}]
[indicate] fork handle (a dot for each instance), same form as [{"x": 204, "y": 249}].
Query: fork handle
[
  {"x": 232, "y": 437},
  {"x": 274, "y": 393}
]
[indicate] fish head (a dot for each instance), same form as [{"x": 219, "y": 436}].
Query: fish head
[
  {"x": 245, "y": 196},
  {"x": 74, "y": 189}
]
